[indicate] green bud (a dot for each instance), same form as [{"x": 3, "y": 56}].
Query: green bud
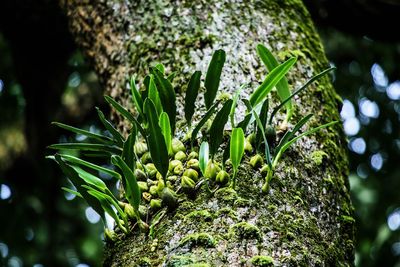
[
  {"x": 178, "y": 169},
  {"x": 173, "y": 164},
  {"x": 187, "y": 184},
  {"x": 256, "y": 161},
  {"x": 160, "y": 186},
  {"x": 172, "y": 178},
  {"x": 140, "y": 148},
  {"x": 159, "y": 176},
  {"x": 181, "y": 156},
  {"x": 222, "y": 177},
  {"x": 270, "y": 134},
  {"x": 177, "y": 146},
  {"x": 169, "y": 198},
  {"x": 139, "y": 165},
  {"x": 193, "y": 155},
  {"x": 211, "y": 170},
  {"x": 224, "y": 96},
  {"x": 247, "y": 146},
  {"x": 264, "y": 170},
  {"x": 153, "y": 190},
  {"x": 192, "y": 174},
  {"x": 193, "y": 164},
  {"x": 146, "y": 196},
  {"x": 140, "y": 175},
  {"x": 251, "y": 138},
  {"x": 143, "y": 210},
  {"x": 128, "y": 209},
  {"x": 146, "y": 158},
  {"x": 143, "y": 186},
  {"x": 155, "y": 204},
  {"x": 151, "y": 170},
  {"x": 110, "y": 235}
]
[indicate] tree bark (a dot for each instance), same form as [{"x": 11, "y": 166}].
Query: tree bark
[{"x": 306, "y": 218}]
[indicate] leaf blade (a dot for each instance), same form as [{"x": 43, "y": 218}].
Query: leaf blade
[
  {"x": 191, "y": 95},
  {"x": 203, "y": 156},
  {"x": 99, "y": 137},
  {"x": 213, "y": 76},
  {"x": 86, "y": 147},
  {"x": 166, "y": 130},
  {"x": 237, "y": 147},
  {"x": 208, "y": 114},
  {"x": 217, "y": 127}
]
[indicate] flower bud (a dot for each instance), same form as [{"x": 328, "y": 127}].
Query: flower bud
[
  {"x": 172, "y": 178},
  {"x": 177, "y": 146},
  {"x": 251, "y": 138},
  {"x": 146, "y": 158},
  {"x": 187, "y": 184},
  {"x": 247, "y": 146},
  {"x": 173, "y": 164},
  {"x": 155, "y": 204},
  {"x": 153, "y": 190},
  {"x": 143, "y": 186},
  {"x": 211, "y": 170},
  {"x": 128, "y": 209},
  {"x": 151, "y": 170},
  {"x": 146, "y": 196},
  {"x": 193, "y": 164},
  {"x": 143, "y": 211},
  {"x": 110, "y": 235},
  {"x": 193, "y": 155},
  {"x": 181, "y": 156},
  {"x": 178, "y": 169},
  {"x": 169, "y": 198},
  {"x": 140, "y": 148},
  {"x": 140, "y": 175},
  {"x": 222, "y": 177}
]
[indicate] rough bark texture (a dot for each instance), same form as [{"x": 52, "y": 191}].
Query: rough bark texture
[{"x": 306, "y": 219}]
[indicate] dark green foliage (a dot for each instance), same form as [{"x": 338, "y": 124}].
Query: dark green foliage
[
  {"x": 217, "y": 127},
  {"x": 191, "y": 95},
  {"x": 213, "y": 77}
]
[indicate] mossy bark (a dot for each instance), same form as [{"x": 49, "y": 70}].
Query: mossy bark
[{"x": 306, "y": 218}]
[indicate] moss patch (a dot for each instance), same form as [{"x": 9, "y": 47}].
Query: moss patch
[
  {"x": 200, "y": 239},
  {"x": 262, "y": 261},
  {"x": 245, "y": 230},
  {"x": 318, "y": 156}
]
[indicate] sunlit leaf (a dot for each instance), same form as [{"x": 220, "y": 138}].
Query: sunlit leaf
[
  {"x": 87, "y": 147},
  {"x": 156, "y": 142},
  {"x": 191, "y": 95},
  {"x": 217, "y": 127},
  {"x": 99, "y": 137},
  {"x": 234, "y": 104},
  {"x": 271, "y": 81},
  {"x": 203, "y": 156},
  {"x": 137, "y": 99},
  {"x": 236, "y": 148},
  {"x": 167, "y": 96},
  {"x": 73, "y": 192},
  {"x": 117, "y": 136},
  {"x": 166, "y": 130},
  {"x": 155, "y": 96},
  {"x": 128, "y": 154},
  {"x": 160, "y": 67},
  {"x": 282, "y": 86},
  {"x": 213, "y": 77}
]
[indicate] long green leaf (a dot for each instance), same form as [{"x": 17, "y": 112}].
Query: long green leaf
[
  {"x": 99, "y": 137},
  {"x": 167, "y": 96},
  {"x": 267, "y": 151},
  {"x": 132, "y": 190},
  {"x": 128, "y": 151},
  {"x": 78, "y": 182},
  {"x": 263, "y": 118},
  {"x": 157, "y": 147},
  {"x": 289, "y": 134},
  {"x": 282, "y": 86},
  {"x": 87, "y": 147},
  {"x": 288, "y": 144},
  {"x": 217, "y": 127},
  {"x": 191, "y": 95},
  {"x": 73, "y": 192},
  {"x": 203, "y": 156},
  {"x": 117, "y": 136},
  {"x": 207, "y": 116},
  {"x": 125, "y": 113},
  {"x": 271, "y": 81},
  {"x": 166, "y": 130},
  {"x": 90, "y": 165},
  {"x": 155, "y": 96},
  {"x": 213, "y": 77},
  {"x": 310, "y": 81},
  {"x": 137, "y": 99},
  {"x": 236, "y": 147},
  {"x": 243, "y": 124},
  {"x": 234, "y": 104}
]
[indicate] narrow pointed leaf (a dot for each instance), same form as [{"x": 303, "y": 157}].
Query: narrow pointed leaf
[
  {"x": 171, "y": 77},
  {"x": 243, "y": 124},
  {"x": 90, "y": 165},
  {"x": 288, "y": 144},
  {"x": 191, "y": 95},
  {"x": 157, "y": 147},
  {"x": 203, "y": 156},
  {"x": 117, "y": 136},
  {"x": 145, "y": 93},
  {"x": 217, "y": 127},
  {"x": 271, "y": 81},
  {"x": 310, "y": 81},
  {"x": 73, "y": 192},
  {"x": 263, "y": 118},
  {"x": 213, "y": 77},
  {"x": 167, "y": 96},
  {"x": 99, "y": 137},
  {"x": 132, "y": 190},
  {"x": 234, "y": 104},
  {"x": 206, "y": 117},
  {"x": 282, "y": 86},
  {"x": 160, "y": 67},
  {"x": 155, "y": 96},
  {"x": 128, "y": 151},
  {"x": 289, "y": 134},
  {"x": 125, "y": 113},
  {"x": 166, "y": 130},
  {"x": 236, "y": 147},
  {"x": 87, "y": 147},
  {"x": 137, "y": 99}
]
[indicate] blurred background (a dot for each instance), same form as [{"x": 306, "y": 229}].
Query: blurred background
[{"x": 44, "y": 78}]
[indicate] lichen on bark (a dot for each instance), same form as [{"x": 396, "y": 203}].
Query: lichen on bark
[{"x": 304, "y": 220}]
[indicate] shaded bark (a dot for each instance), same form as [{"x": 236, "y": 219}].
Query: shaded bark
[{"x": 306, "y": 219}]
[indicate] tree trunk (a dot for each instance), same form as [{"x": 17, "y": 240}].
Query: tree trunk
[{"x": 306, "y": 218}]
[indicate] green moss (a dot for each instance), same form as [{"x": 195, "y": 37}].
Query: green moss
[
  {"x": 226, "y": 194},
  {"x": 144, "y": 262},
  {"x": 245, "y": 230},
  {"x": 318, "y": 156},
  {"x": 200, "y": 215},
  {"x": 347, "y": 219},
  {"x": 262, "y": 261},
  {"x": 200, "y": 239},
  {"x": 180, "y": 261}
]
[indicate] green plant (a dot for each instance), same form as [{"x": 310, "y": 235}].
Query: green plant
[{"x": 152, "y": 163}]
